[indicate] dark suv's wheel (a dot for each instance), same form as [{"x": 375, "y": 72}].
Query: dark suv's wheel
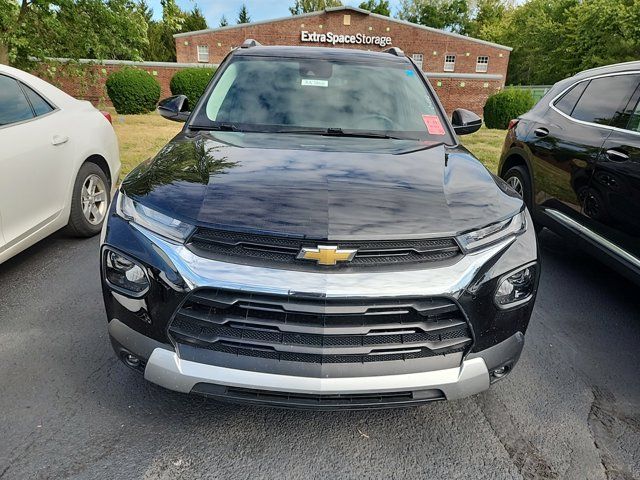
[
  {"x": 90, "y": 201},
  {"x": 518, "y": 178}
]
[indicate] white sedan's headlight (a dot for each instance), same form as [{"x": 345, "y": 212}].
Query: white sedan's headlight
[
  {"x": 493, "y": 233},
  {"x": 157, "y": 222}
]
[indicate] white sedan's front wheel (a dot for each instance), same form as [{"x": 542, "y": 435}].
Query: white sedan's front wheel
[{"x": 90, "y": 202}]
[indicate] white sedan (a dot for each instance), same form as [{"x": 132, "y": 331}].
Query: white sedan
[{"x": 59, "y": 162}]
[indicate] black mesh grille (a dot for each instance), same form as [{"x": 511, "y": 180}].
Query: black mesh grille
[
  {"x": 302, "y": 400},
  {"x": 269, "y": 249},
  {"x": 320, "y": 330}
]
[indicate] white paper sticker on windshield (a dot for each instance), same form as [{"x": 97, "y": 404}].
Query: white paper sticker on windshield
[{"x": 314, "y": 82}]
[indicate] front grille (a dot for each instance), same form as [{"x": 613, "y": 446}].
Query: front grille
[
  {"x": 302, "y": 400},
  {"x": 270, "y": 249},
  {"x": 320, "y": 330}
]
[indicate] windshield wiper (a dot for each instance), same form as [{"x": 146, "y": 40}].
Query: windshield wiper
[
  {"x": 339, "y": 132},
  {"x": 216, "y": 126}
]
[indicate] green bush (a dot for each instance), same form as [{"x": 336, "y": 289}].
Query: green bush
[
  {"x": 132, "y": 90},
  {"x": 191, "y": 82},
  {"x": 506, "y": 105}
]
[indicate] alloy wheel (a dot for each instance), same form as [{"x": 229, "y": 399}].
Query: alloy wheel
[
  {"x": 515, "y": 183},
  {"x": 94, "y": 199}
]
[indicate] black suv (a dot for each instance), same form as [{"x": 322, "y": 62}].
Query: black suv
[
  {"x": 575, "y": 159},
  {"x": 316, "y": 236}
]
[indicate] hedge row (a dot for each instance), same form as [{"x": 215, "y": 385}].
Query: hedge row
[
  {"x": 506, "y": 105},
  {"x": 191, "y": 82},
  {"x": 132, "y": 90}
]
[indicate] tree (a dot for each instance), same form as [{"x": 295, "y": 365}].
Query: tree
[
  {"x": 309, "y": 6},
  {"x": 145, "y": 10},
  {"x": 381, "y": 7},
  {"x": 600, "y": 32},
  {"x": 243, "y": 15},
  {"x": 102, "y": 29},
  {"x": 451, "y": 15},
  {"x": 486, "y": 14},
  {"x": 162, "y": 45},
  {"x": 537, "y": 32},
  {"x": 194, "y": 21},
  {"x": 8, "y": 25},
  {"x": 223, "y": 21},
  {"x": 172, "y": 16}
]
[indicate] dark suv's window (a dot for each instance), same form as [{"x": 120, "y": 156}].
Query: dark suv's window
[
  {"x": 634, "y": 119},
  {"x": 14, "y": 106},
  {"x": 39, "y": 104},
  {"x": 569, "y": 99},
  {"x": 605, "y": 98},
  {"x": 309, "y": 95}
]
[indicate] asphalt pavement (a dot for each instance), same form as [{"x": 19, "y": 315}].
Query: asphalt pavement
[{"x": 70, "y": 409}]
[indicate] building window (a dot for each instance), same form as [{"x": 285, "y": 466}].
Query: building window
[
  {"x": 203, "y": 53},
  {"x": 482, "y": 64},
  {"x": 449, "y": 63},
  {"x": 418, "y": 59}
]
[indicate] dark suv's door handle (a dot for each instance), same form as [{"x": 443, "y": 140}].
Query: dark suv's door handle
[
  {"x": 541, "y": 132},
  {"x": 617, "y": 156}
]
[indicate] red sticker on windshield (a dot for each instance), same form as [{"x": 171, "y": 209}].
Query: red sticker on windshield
[{"x": 434, "y": 127}]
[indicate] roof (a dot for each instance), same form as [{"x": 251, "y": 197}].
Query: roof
[
  {"x": 325, "y": 53},
  {"x": 344, "y": 8},
  {"x": 561, "y": 85},
  {"x": 614, "y": 68}
]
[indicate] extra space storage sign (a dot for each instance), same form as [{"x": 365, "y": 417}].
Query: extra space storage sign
[{"x": 335, "y": 39}]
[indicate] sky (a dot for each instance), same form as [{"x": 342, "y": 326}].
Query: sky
[{"x": 258, "y": 9}]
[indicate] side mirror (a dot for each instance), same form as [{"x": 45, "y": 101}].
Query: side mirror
[
  {"x": 175, "y": 108},
  {"x": 465, "y": 122}
]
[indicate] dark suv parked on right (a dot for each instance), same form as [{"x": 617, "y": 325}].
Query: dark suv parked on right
[{"x": 575, "y": 159}]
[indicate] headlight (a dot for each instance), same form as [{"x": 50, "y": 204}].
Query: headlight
[
  {"x": 516, "y": 288},
  {"x": 157, "y": 222},
  {"x": 493, "y": 233},
  {"x": 125, "y": 275}
]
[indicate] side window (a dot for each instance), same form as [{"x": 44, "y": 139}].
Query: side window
[
  {"x": 418, "y": 58},
  {"x": 449, "y": 63},
  {"x": 604, "y": 99},
  {"x": 39, "y": 104},
  {"x": 482, "y": 64},
  {"x": 14, "y": 106},
  {"x": 203, "y": 53},
  {"x": 569, "y": 99},
  {"x": 634, "y": 119}
]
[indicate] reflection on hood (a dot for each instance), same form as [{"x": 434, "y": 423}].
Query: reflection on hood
[{"x": 191, "y": 161}]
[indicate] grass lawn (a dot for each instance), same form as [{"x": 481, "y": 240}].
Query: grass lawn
[
  {"x": 141, "y": 136},
  {"x": 486, "y": 145}
]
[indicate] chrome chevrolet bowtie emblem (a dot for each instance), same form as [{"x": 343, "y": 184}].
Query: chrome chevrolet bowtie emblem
[{"x": 326, "y": 255}]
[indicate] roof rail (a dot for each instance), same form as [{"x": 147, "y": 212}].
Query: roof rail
[
  {"x": 250, "y": 42},
  {"x": 394, "y": 51}
]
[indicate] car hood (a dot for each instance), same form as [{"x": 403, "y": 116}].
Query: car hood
[{"x": 319, "y": 187}]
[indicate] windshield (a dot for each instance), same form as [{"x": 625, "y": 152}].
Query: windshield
[{"x": 322, "y": 97}]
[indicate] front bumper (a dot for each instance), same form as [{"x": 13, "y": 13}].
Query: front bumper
[
  {"x": 139, "y": 326},
  {"x": 164, "y": 367}
]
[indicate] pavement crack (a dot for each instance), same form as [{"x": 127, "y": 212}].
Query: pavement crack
[
  {"x": 523, "y": 453},
  {"x": 602, "y": 418}
]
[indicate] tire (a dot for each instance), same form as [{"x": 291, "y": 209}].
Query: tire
[
  {"x": 519, "y": 179},
  {"x": 89, "y": 202}
]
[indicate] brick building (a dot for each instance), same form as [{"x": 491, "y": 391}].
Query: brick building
[{"x": 464, "y": 71}]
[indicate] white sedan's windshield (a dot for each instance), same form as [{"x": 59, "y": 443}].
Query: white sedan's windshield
[{"x": 267, "y": 94}]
